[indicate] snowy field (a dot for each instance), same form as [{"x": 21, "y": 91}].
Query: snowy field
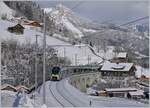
[{"x": 82, "y": 53}]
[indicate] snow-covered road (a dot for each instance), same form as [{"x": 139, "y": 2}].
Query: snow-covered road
[{"x": 62, "y": 94}]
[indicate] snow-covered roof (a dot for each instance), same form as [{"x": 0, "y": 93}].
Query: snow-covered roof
[
  {"x": 22, "y": 87},
  {"x": 7, "y": 85},
  {"x": 122, "y": 55},
  {"x": 47, "y": 10},
  {"x": 116, "y": 67},
  {"x": 120, "y": 89},
  {"x": 136, "y": 93}
]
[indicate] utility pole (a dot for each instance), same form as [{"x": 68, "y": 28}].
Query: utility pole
[
  {"x": 76, "y": 59},
  {"x": 36, "y": 47},
  {"x": 44, "y": 63},
  {"x": 89, "y": 58},
  {"x": 64, "y": 52}
]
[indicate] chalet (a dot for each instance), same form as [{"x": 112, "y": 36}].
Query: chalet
[
  {"x": 118, "y": 69},
  {"x": 22, "y": 88},
  {"x": 20, "y": 20},
  {"x": 8, "y": 87},
  {"x": 122, "y": 57},
  {"x": 119, "y": 92},
  {"x": 34, "y": 24},
  {"x": 18, "y": 29},
  {"x": 136, "y": 94}
]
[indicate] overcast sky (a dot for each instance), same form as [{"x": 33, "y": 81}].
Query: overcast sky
[{"x": 115, "y": 11}]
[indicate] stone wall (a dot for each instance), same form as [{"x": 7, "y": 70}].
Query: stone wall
[{"x": 83, "y": 81}]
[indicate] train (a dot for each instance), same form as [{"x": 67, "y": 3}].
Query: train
[{"x": 56, "y": 73}]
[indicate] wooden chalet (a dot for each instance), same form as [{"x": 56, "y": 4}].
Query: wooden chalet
[
  {"x": 120, "y": 92},
  {"x": 121, "y": 57},
  {"x": 22, "y": 88},
  {"x": 34, "y": 24},
  {"x": 18, "y": 29},
  {"x": 118, "y": 69},
  {"x": 8, "y": 87},
  {"x": 136, "y": 94}
]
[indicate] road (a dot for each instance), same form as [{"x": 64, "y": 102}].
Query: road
[{"x": 62, "y": 94}]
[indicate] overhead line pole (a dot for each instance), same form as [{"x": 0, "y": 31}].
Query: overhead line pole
[
  {"x": 36, "y": 47},
  {"x": 44, "y": 63}
]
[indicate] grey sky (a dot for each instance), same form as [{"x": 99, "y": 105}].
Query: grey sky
[{"x": 117, "y": 11}]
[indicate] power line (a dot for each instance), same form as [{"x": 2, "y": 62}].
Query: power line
[
  {"x": 135, "y": 21},
  {"x": 77, "y": 5}
]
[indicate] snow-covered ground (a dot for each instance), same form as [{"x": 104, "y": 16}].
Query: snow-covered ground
[
  {"x": 142, "y": 71},
  {"x": 71, "y": 27},
  {"x": 7, "y": 98},
  {"x": 11, "y": 99},
  {"x": 47, "y": 10},
  {"x": 66, "y": 93},
  {"x": 80, "y": 54},
  {"x": 5, "y": 10},
  {"x": 89, "y": 30}
]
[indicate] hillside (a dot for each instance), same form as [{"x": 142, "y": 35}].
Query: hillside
[
  {"x": 6, "y": 12},
  {"x": 82, "y": 52},
  {"x": 68, "y": 23}
]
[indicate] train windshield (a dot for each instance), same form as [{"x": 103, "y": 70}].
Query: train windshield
[{"x": 55, "y": 70}]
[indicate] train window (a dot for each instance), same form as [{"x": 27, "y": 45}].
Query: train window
[{"x": 55, "y": 70}]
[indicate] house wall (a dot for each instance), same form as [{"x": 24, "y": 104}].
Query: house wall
[{"x": 115, "y": 73}]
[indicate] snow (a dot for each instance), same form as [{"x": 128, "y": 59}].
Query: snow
[
  {"x": 27, "y": 102},
  {"x": 69, "y": 51},
  {"x": 119, "y": 67},
  {"x": 60, "y": 15},
  {"x": 137, "y": 93},
  {"x": 142, "y": 71},
  {"x": 122, "y": 55},
  {"x": 7, "y": 98},
  {"x": 5, "y": 10},
  {"x": 109, "y": 54},
  {"x": 47, "y": 10},
  {"x": 81, "y": 99},
  {"x": 60, "y": 37},
  {"x": 43, "y": 106},
  {"x": 120, "y": 89},
  {"x": 98, "y": 101},
  {"x": 8, "y": 92},
  {"x": 115, "y": 102},
  {"x": 90, "y": 91},
  {"x": 8, "y": 85},
  {"x": 89, "y": 30},
  {"x": 71, "y": 27}
]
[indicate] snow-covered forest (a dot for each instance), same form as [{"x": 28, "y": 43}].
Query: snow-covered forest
[{"x": 20, "y": 61}]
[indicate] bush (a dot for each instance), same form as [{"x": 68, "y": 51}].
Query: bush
[{"x": 4, "y": 17}]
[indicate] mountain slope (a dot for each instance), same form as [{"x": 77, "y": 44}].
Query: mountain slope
[
  {"x": 66, "y": 20},
  {"x": 64, "y": 49},
  {"x": 6, "y": 11}
]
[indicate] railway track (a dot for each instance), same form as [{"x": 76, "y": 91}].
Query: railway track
[
  {"x": 64, "y": 96},
  {"x": 58, "y": 96}
]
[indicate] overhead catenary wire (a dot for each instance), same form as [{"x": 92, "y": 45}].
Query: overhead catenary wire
[
  {"x": 77, "y": 5},
  {"x": 139, "y": 19},
  {"x": 133, "y": 21}
]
